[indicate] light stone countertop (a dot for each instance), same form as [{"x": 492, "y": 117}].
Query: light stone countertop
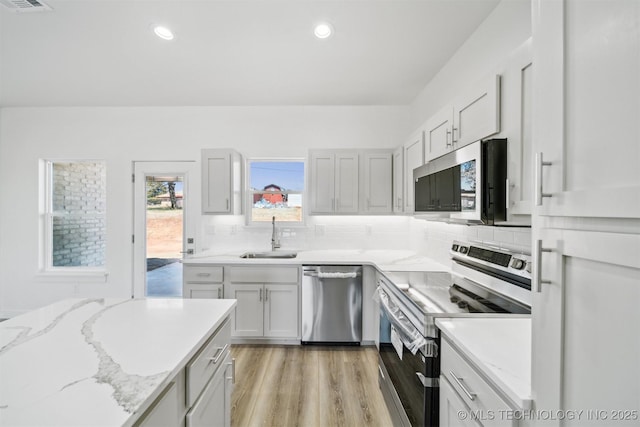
[
  {"x": 500, "y": 348},
  {"x": 384, "y": 260},
  {"x": 98, "y": 362}
]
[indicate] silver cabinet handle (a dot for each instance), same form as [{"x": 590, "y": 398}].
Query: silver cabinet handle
[
  {"x": 233, "y": 371},
  {"x": 227, "y": 204},
  {"x": 219, "y": 293},
  {"x": 266, "y": 294},
  {"x": 539, "y": 192},
  {"x": 470, "y": 395},
  {"x": 260, "y": 297},
  {"x": 219, "y": 353},
  {"x": 507, "y": 197},
  {"x": 538, "y": 251},
  {"x": 447, "y": 143},
  {"x": 203, "y": 274},
  {"x": 453, "y": 135}
]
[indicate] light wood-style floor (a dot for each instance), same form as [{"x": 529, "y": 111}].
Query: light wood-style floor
[{"x": 307, "y": 386}]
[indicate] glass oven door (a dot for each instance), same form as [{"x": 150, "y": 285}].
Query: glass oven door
[{"x": 399, "y": 340}]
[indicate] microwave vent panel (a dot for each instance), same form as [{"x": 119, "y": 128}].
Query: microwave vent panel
[{"x": 25, "y": 5}]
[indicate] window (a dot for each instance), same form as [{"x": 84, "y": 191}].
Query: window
[
  {"x": 275, "y": 190},
  {"x": 74, "y": 215}
]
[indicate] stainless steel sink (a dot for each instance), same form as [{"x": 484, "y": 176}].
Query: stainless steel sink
[{"x": 272, "y": 254}]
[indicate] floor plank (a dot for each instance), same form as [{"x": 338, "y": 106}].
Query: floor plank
[{"x": 304, "y": 386}]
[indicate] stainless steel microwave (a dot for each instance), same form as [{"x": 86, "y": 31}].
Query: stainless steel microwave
[{"x": 467, "y": 185}]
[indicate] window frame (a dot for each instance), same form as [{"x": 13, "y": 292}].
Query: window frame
[
  {"x": 47, "y": 215},
  {"x": 249, "y": 192}
]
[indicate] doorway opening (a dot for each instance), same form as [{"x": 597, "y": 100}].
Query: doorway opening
[{"x": 164, "y": 235}]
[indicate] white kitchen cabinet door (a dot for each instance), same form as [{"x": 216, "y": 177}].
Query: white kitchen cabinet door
[
  {"x": 453, "y": 411},
  {"x": 221, "y": 181},
  {"x": 213, "y": 407},
  {"x": 247, "y": 317},
  {"x": 346, "y": 187},
  {"x": 334, "y": 181},
  {"x": 398, "y": 180},
  {"x": 476, "y": 114},
  {"x": 438, "y": 138},
  {"x": 517, "y": 99},
  {"x": 413, "y": 158},
  {"x": 587, "y": 102},
  {"x": 586, "y": 344},
  {"x": 378, "y": 182},
  {"x": 322, "y": 185},
  {"x": 281, "y": 311}
]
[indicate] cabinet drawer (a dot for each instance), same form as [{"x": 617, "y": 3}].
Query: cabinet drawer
[
  {"x": 164, "y": 411},
  {"x": 203, "y": 290},
  {"x": 476, "y": 393},
  {"x": 202, "y": 367},
  {"x": 203, "y": 274},
  {"x": 263, "y": 274}
]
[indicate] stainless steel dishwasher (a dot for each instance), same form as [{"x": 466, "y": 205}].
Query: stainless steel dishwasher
[{"x": 332, "y": 304}]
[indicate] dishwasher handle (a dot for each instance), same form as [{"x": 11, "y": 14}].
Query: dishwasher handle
[{"x": 315, "y": 272}]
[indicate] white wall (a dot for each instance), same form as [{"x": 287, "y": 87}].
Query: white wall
[{"x": 121, "y": 135}]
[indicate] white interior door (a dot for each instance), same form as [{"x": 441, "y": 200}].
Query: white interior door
[{"x": 165, "y": 221}]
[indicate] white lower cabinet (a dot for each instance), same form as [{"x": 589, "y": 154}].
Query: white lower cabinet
[
  {"x": 453, "y": 410},
  {"x": 200, "y": 394},
  {"x": 466, "y": 398},
  {"x": 268, "y": 309},
  {"x": 213, "y": 408},
  {"x": 202, "y": 281}
]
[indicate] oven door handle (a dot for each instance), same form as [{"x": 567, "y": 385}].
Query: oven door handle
[{"x": 410, "y": 336}]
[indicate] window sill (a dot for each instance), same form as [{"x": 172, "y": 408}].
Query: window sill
[{"x": 93, "y": 276}]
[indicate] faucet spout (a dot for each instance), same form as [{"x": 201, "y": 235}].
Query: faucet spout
[{"x": 274, "y": 237}]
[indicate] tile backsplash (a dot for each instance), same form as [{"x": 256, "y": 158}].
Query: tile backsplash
[{"x": 221, "y": 234}]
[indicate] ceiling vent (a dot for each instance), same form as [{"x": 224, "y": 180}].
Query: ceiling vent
[{"x": 25, "y": 5}]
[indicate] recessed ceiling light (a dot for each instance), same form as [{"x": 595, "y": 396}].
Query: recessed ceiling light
[
  {"x": 163, "y": 32},
  {"x": 323, "y": 30}
]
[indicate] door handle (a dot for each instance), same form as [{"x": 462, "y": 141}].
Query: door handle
[{"x": 188, "y": 252}]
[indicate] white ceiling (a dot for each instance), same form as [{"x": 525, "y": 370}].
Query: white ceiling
[{"x": 235, "y": 52}]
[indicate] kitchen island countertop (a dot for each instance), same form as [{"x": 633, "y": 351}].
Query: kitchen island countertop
[
  {"x": 98, "y": 362},
  {"x": 500, "y": 348}
]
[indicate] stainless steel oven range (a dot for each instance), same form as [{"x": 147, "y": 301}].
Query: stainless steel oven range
[{"x": 484, "y": 281}]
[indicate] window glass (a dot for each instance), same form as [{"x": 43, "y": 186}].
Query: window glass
[
  {"x": 276, "y": 190},
  {"x": 75, "y": 218}
]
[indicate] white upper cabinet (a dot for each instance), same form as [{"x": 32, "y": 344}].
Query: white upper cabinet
[
  {"x": 398, "y": 180},
  {"x": 377, "y": 182},
  {"x": 472, "y": 116},
  {"x": 333, "y": 181},
  {"x": 221, "y": 181},
  {"x": 438, "y": 133},
  {"x": 476, "y": 114},
  {"x": 413, "y": 158},
  {"x": 587, "y": 98},
  {"x": 517, "y": 102}
]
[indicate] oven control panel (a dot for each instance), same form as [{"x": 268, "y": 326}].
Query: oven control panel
[{"x": 492, "y": 257}]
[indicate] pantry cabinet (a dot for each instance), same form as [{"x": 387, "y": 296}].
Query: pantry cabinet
[
  {"x": 267, "y": 302},
  {"x": 586, "y": 213},
  {"x": 472, "y": 116},
  {"x": 222, "y": 181},
  {"x": 333, "y": 181}
]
